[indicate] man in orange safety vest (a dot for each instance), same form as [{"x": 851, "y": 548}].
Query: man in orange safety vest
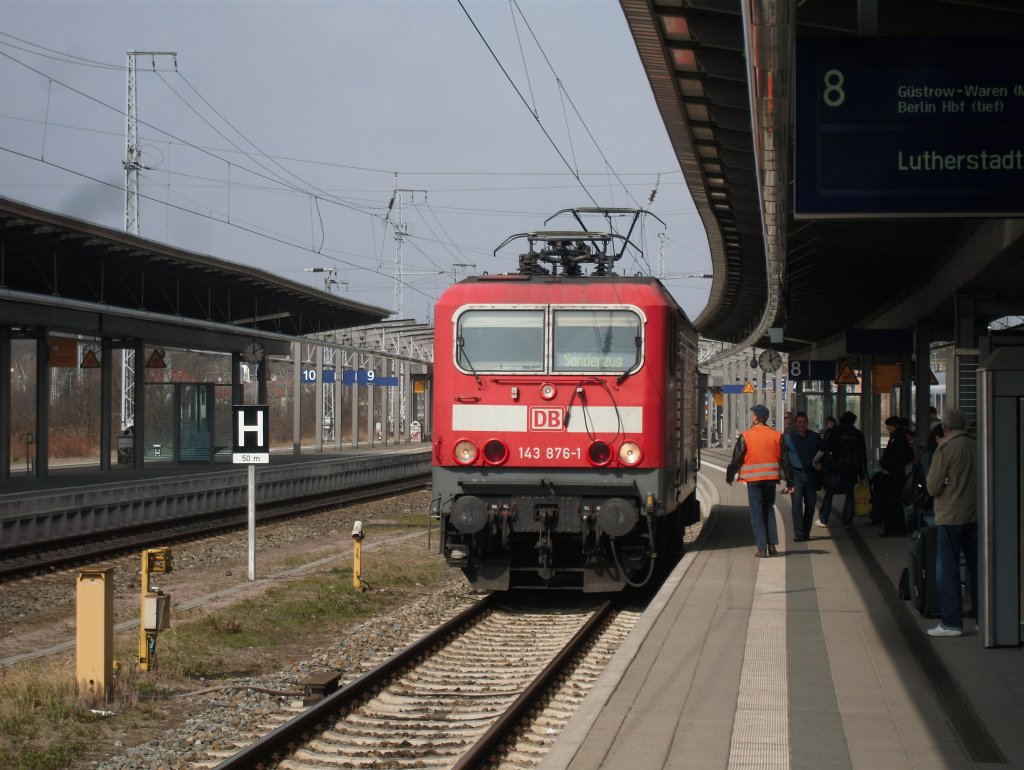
[{"x": 760, "y": 460}]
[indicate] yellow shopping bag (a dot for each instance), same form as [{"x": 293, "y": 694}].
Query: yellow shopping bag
[{"x": 862, "y": 498}]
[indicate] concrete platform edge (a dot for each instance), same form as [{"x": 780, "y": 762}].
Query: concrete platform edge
[{"x": 579, "y": 726}]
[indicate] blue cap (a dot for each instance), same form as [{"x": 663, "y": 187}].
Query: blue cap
[{"x": 760, "y": 410}]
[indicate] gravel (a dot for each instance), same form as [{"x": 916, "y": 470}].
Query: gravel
[
  {"x": 39, "y": 611},
  {"x": 223, "y": 717}
]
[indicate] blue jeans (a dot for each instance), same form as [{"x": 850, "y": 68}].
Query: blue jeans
[
  {"x": 761, "y": 495},
  {"x": 805, "y": 489},
  {"x": 950, "y": 540}
]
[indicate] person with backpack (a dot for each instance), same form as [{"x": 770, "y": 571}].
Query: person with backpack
[
  {"x": 952, "y": 481},
  {"x": 829, "y": 476},
  {"x": 849, "y": 455}
]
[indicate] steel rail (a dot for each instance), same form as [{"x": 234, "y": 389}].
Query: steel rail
[
  {"x": 277, "y": 740},
  {"x": 481, "y": 751},
  {"x": 15, "y": 563}
]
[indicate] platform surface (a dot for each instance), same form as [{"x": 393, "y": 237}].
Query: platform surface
[{"x": 807, "y": 660}]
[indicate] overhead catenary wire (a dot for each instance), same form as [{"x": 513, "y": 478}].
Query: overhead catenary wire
[
  {"x": 526, "y": 104},
  {"x": 234, "y": 224},
  {"x": 389, "y": 173},
  {"x": 163, "y": 132},
  {"x": 561, "y": 88}
]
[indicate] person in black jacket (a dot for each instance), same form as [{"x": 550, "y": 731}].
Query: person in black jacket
[
  {"x": 849, "y": 456},
  {"x": 897, "y": 456}
]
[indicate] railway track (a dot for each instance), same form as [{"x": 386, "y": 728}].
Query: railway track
[
  {"x": 68, "y": 552},
  {"x": 495, "y": 683}
]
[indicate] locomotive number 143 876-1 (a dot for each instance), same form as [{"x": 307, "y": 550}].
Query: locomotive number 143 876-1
[{"x": 549, "y": 453}]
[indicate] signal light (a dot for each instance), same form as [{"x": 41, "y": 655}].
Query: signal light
[
  {"x": 465, "y": 452},
  {"x": 495, "y": 452},
  {"x": 629, "y": 453},
  {"x": 548, "y": 391},
  {"x": 599, "y": 453}
]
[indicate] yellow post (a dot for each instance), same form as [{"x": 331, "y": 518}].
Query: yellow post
[
  {"x": 94, "y": 632},
  {"x": 357, "y": 555},
  {"x": 155, "y": 561}
]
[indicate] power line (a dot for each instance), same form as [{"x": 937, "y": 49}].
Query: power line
[
  {"x": 525, "y": 104},
  {"x": 389, "y": 172},
  {"x": 561, "y": 88},
  {"x": 162, "y": 131},
  {"x": 251, "y": 230}
]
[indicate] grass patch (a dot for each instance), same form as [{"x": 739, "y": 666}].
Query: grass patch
[
  {"x": 43, "y": 725},
  {"x": 226, "y": 642}
]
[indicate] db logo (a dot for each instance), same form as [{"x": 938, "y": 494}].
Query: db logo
[{"x": 546, "y": 418}]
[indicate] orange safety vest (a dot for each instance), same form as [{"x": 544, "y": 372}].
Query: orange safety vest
[{"x": 764, "y": 451}]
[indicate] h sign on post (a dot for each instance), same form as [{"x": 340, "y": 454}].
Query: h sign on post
[{"x": 251, "y": 429}]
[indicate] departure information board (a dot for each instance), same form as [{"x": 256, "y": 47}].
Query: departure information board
[{"x": 893, "y": 127}]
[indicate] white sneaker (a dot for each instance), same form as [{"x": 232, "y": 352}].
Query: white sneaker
[
  {"x": 820, "y": 523},
  {"x": 941, "y": 630}
]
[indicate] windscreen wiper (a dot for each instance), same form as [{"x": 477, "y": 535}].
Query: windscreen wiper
[
  {"x": 622, "y": 377},
  {"x": 462, "y": 352}
]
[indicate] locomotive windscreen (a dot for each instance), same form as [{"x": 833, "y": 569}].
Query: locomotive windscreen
[
  {"x": 500, "y": 341},
  {"x": 595, "y": 340}
]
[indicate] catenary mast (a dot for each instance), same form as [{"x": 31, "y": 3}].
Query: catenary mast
[{"x": 132, "y": 164}]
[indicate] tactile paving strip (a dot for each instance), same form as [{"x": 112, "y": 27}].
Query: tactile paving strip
[{"x": 760, "y": 732}]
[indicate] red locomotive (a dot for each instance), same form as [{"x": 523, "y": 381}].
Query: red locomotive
[{"x": 565, "y": 420}]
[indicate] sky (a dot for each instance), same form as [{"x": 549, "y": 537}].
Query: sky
[{"x": 278, "y": 134}]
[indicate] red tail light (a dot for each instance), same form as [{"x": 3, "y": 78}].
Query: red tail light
[
  {"x": 495, "y": 452},
  {"x": 599, "y": 453}
]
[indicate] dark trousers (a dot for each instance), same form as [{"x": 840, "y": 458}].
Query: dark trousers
[
  {"x": 890, "y": 497},
  {"x": 805, "y": 490},
  {"x": 951, "y": 539}
]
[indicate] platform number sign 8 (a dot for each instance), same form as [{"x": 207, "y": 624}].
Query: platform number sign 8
[
  {"x": 796, "y": 369},
  {"x": 834, "y": 95}
]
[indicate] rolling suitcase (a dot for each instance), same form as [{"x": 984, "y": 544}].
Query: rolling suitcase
[{"x": 924, "y": 594}]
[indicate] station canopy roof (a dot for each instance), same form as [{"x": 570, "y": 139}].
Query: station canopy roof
[
  {"x": 833, "y": 274},
  {"x": 61, "y": 262}
]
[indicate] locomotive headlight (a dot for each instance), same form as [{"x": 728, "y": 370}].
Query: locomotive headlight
[
  {"x": 599, "y": 453},
  {"x": 548, "y": 391},
  {"x": 495, "y": 452},
  {"x": 465, "y": 452},
  {"x": 629, "y": 453},
  {"x": 617, "y": 517}
]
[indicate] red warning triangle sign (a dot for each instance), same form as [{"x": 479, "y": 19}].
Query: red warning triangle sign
[
  {"x": 748, "y": 388},
  {"x": 846, "y": 376},
  {"x": 156, "y": 360},
  {"x": 89, "y": 360}
]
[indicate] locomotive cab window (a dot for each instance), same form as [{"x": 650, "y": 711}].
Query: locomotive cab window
[
  {"x": 500, "y": 341},
  {"x": 596, "y": 340}
]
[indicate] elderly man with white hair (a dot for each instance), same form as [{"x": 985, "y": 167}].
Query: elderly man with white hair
[{"x": 952, "y": 482}]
